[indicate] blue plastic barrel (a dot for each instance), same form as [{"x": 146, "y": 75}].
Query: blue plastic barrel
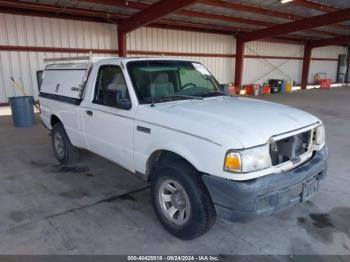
[
  {"x": 283, "y": 87},
  {"x": 22, "y": 108}
]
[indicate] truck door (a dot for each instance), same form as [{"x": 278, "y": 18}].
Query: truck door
[{"x": 107, "y": 127}]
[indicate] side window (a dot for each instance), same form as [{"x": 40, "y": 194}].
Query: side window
[
  {"x": 39, "y": 78},
  {"x": 110, "y": 86}
]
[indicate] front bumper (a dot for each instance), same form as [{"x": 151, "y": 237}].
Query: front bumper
[{"x": 242, "y": 201}]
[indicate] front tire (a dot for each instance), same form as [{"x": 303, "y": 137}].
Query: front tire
[
  {"x": 181, "y": 201},
  {"x": 64, "y": 151}
]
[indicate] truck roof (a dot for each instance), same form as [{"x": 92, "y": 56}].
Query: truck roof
[
  {"x": 127, "y": 59},
  {"x": 75, "y": 63}
]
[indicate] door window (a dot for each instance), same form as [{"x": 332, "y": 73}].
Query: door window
[{"x": 110, "y": 86}]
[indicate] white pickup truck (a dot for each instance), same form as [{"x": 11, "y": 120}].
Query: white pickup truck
[{"x": 205, "y": 153}]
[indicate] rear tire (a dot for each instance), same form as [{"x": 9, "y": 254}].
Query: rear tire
[
  {"x": 64, "y": 151},
  {"x": 181, "y": 201}
]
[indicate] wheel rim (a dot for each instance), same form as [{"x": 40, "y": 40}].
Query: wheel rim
[
  {"x": 59, "y": 145},
  {"x": 174, "y": 202}
]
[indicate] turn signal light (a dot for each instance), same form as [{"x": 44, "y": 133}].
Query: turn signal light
[{"x": 233, "y": 162}]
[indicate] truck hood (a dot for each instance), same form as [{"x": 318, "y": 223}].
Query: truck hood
[{"x": 242, "y": 121}]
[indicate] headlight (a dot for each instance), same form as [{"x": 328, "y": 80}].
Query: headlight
[
  {"x": 248, "y": 160},
  {"x": 320, "y": 136}
]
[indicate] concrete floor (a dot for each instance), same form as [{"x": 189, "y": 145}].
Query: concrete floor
[{"x": 96, "y": 207}]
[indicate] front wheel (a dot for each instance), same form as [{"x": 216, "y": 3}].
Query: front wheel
[{"x": 181, "y": 201}]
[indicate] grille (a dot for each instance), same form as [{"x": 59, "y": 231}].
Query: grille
[{"x": 290, "y": 148}]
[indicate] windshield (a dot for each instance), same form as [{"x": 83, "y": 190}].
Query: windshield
[{"x": 162, "y": 81}]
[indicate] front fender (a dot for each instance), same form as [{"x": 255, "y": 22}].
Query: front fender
[{"x": 205, "y": 156}]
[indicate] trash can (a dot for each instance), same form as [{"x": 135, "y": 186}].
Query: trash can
[
  {"x": 283, "y": 87},
  {"x": 22, "y": 108}
]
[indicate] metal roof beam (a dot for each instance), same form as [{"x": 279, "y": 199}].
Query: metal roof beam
[
  {"x": 58, "y": 10},
  {"x": 119, "y": 3},
  {"x": 200, "y": 14},
  {"x": 341, "y": 40},
  {"x": 153, "y": 13},
  {"x": 212, "y": 16},
  {"x": 46, "y": 10},
  {"x": 251, "y": 9},
  {"x": 319, "y": 7},
  {"x": 299, "y": 25},
  {"x": 15, "y": 11},
  {"x": 314, "y": 5},
  {"x": 179, "y": 24},
  {"x": 271, "y": 13},
  {"x": 225, "y": 18},
  {"x": 52, "y": 11}
]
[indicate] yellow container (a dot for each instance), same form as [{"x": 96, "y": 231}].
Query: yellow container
[{"x": 289, "y": 87}]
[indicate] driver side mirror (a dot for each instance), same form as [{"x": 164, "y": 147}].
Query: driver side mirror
[
  {"x": 121, "y": 102},
  {"x": 225, "y": 88}
]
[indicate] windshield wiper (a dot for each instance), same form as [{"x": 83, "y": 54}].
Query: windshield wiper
[
  {"x": 170, "y": 98},
  {"x": 213, "y": 93},
  {"x": 187, "y": 96}
]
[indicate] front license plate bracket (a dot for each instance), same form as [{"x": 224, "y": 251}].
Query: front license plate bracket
[{"x": 309, "y": 188}]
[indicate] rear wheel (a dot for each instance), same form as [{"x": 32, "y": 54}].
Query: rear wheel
[
  {"x": 181, "y": 201},
  {"x": 64, "y": 151}
]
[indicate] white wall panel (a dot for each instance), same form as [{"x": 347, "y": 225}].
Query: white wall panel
[
  {"x": 328, "y": 67},
  {"x": 50, "y": 32},
  {"x": 328, "y": 52},
  {"x": 221, "y": 67},
  {"x": 259, "y": 71},
  {"x": 18, "y": 30},
  {"x": 153, "y": 39},
  {"x": 273, "y": 49}
]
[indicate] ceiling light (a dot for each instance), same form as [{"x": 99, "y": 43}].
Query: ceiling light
[{"x": 285, "y": 1}]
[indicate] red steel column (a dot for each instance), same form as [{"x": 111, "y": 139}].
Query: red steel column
[
  {"x": 347, "y": 67},
  {"x": 306, "y": 65},
  {"x": 239, "y": 63},
  {"x": 122, "y": 52}
]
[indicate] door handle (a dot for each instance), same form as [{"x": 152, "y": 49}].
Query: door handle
[{"x": 89, "y": 112}]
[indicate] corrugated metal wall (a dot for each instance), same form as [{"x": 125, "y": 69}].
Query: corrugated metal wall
[
  {"x": 329, "y": 67},
  {"x": 49, "y": 32},
  {"x": 213, "y": 50},
  {"x": 259, "y": 70},
  {"x": 18, "y": 30},
  {"x": 152, "y": 39}
]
